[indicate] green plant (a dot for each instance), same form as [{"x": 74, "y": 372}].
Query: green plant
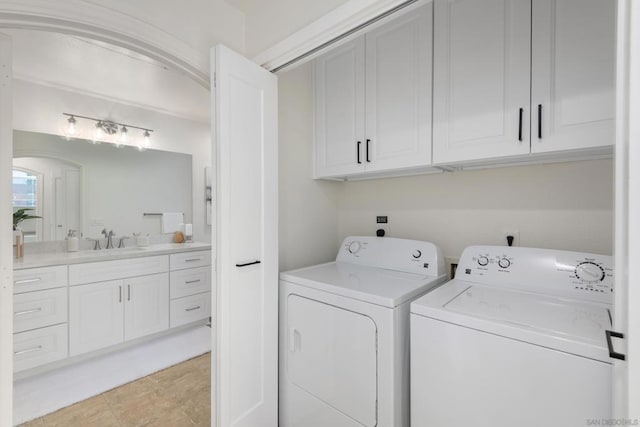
[{"x": 21, "y": 215}]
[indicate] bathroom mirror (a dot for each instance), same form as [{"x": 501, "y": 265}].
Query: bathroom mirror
[{"x": 76, "y": 184}]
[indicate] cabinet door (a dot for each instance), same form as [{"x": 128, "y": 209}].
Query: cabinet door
[
  {"x": 95, "y": 316},
  {"x": 146, "y": 309},
  {"x": 339, "y": 110},
  {"x": 573, "y": 75},
  {"x": 481, "y": 79},
  {"x": 398, "y": 92}
]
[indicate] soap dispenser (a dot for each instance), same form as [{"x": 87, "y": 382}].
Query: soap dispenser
[{"x": 72, "y": 241}]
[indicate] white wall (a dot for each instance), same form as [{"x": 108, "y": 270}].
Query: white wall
[
  {"x": 39, "y": 109},
  {"x": 558, "y": 206},
  {"x": 308, "y": 208},
  {"x": 564, "y": 205},
  {"x": 268, "y": 22}
]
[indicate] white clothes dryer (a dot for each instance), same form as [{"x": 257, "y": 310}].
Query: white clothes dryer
[
  {"x": 344, "y": 333},
  {"x": 518, "y": 338}
]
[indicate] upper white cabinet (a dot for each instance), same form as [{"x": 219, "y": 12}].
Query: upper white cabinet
[
  {"x": 573, "y": 74},
  {"x": 481, "y": 79},
  {"x": 373, "y": 99},
  {"x": 339, "y": 110},
  {"x": 501, "y": 65}
]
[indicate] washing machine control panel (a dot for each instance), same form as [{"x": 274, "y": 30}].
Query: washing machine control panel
[
  {"x": 571, "y": 274},
  {"x": 412, "y": 256}
]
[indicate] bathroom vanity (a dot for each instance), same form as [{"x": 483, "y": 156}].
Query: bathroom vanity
[{"x": 72, "y": 304}]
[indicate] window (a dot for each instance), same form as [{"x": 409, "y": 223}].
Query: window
[{"x": 24, "y": 190}]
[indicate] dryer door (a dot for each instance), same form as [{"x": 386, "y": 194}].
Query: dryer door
[{"x": 333, "y": 356}]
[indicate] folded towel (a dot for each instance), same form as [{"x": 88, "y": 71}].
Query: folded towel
[{"x": 172, "y": 221}]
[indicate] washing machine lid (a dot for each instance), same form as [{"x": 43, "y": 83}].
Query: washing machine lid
[
  {"x": 379, "y": 286},
  {"x": 575, "y": 327}
]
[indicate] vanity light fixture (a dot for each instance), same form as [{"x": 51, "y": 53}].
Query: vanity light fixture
[{"x": 106, "y": 130}]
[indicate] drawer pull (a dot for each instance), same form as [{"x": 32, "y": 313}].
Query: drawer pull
[
  {"x": 22, "y": 282},
  {"x": 192, "y": 308},
  {"x": 192, "y": 259},
  {"x": 29, "y": 350},
  {"x": 192, "y": 281},
  {"x": 22, "y": 313}
]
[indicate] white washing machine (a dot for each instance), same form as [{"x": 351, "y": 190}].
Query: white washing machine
[
  {"x": 344, "y": 333},
  {"x": 516, "y": 339}
]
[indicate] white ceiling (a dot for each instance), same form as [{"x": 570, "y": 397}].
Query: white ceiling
[{"x": 106, "y": 71}]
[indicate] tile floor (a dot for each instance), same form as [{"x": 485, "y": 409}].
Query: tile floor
[{"x": 179, "y": 396}]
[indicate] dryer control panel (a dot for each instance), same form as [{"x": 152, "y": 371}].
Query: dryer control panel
[
  {"x": 575, "y": 275},
  {"x": 411, "y": 256}
]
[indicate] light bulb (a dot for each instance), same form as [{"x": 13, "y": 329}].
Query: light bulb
[
  {"x": 147, "y": 139},
  {"x": 71, "y": 128},
  {"x": 99, "y": 132},
  {"x": 124, "y": 137}
]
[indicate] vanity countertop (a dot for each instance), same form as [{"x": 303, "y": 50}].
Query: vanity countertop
[{"x": 46, "y": 259}]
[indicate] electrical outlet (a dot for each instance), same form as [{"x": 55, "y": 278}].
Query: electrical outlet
[
  {"x": 516, "y": 237},
  {"x": 382, "y": 223}
]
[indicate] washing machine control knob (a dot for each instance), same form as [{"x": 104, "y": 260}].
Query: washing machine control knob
[
  {"x": 417, "y": 254},
  {"x": 354, "y": 247},
  {"x": 483, "y": 260},
  {"x": 504, "y": 263},
  {"x": 590, "y": 272}
]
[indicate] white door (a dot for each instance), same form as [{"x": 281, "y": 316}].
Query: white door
[
  {"x": 626, "y": 373},
  {"x": 6, "y": 234},
  {"x": 146, "y": 308},
  {"x": 398, "y": 92},
  {"x": 481, "y": 79},
  {"x": 339, "y": 110},
  {"x": 96, "y": 316},
  {"x": 246, "y": 314},
  {"x": 333, "y": 355},
  {"x": 573, "y": 74}
]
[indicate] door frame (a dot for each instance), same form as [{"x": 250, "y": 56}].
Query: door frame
[{"x": 83, "y": 19}]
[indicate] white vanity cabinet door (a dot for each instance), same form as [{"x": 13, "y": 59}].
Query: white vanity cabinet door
[
  {"x": 481, "y": 87},
  {"x": 398, "y": 92},
  {"x": 146, "y": 309},
  {"x": 339, "y": 110},
  {"x": 96, "y": 316},
  {"x": 573, "y": 74}
]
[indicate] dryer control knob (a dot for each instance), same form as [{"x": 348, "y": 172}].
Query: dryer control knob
[
  {"x": 504, "y": 263},
  {"x": 590, "y": 272},
  {"x": 354, "y": 247},
  {"x": 483, "y": 260},
  {"x": 417, "y": 254}
]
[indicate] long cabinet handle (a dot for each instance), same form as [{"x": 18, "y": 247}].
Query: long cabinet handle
[
  {"x": 358, "y": 151},
  {"x": 248, "y": 263},
  {"x": 539, "y": 121},
  {"x": 367, "y": 150},
  {"x": 128, "y": 292},
  {"x": 18, "y": 353},
  {"x": 22, "y": 282},
  {"x": 192, "y": 308},
  {"x": 120, "y": 293},
  {"x": 192, "y": 259},
  {"x": 520, "y": 113},
  {"x": 614, "y": 354},
  {"x": 189, "y": 282},
  {"x": 22, "y": 313}
]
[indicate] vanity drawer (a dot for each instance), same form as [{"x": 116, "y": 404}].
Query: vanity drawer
[
  {"x": 40, "y": 346},
  {"x": 33, "y": 310},
  {"x": 190, "y": 282},
  {"x": 119, "y": 269},
  {"x": 36, "y": 279},
  {"x": 190, "y": 309},
  {"x": 190, "y": 260}
]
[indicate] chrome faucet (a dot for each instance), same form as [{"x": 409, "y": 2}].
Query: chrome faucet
[
  {"x": 109, "y": 237},
  {"x": 96, "y": 243},
  {"x": 122, "y": 239}
]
